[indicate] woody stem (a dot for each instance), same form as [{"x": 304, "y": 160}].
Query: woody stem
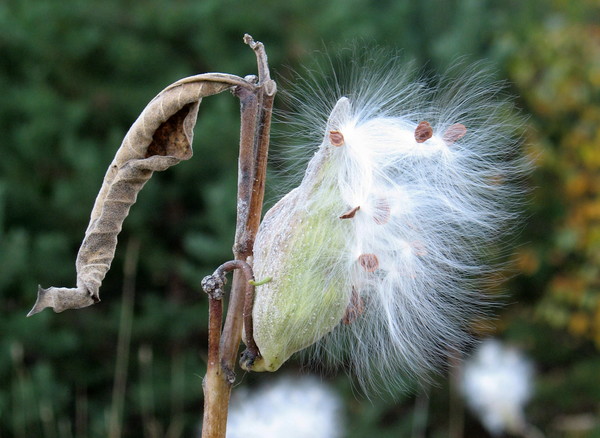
[{"x": 256, "y": 107}]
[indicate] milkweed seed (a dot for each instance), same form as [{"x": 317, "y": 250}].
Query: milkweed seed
[
  {"x": 369, "y": 262},
  {"x": 350, "y": 214},
  {"x": 336, "y": 138},
  {"x": 454, "y": 133},
  {"x": 355, "y": 308},
  {"x": 382, "y": 212},
  {"x": 423, "y": 132},
  {"x": 418, "y": 248}
]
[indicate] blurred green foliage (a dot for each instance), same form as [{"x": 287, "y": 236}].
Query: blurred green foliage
[
  {"x": 563, "y": 96},
  {"x": 75, "y": 74}
]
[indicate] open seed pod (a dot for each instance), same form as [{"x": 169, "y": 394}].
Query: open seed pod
[{"x": 379, "y": 258}]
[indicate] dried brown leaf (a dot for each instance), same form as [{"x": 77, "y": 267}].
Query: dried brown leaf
[{"x": 160, "y": 138}]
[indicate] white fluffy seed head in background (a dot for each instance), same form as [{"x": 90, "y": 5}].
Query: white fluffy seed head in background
[
  {"x": 290, "y": 407},
  {"x": 497, "y": 383},
  {"x": 378, "y": 255}
]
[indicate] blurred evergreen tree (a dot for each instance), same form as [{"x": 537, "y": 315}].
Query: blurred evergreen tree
[{"x": 76, "y": 74}]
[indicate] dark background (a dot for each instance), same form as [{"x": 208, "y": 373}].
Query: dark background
[{"x": 75, "y": 74}]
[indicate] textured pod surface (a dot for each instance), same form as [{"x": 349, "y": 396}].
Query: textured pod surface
[
  {"x": 160, "y": 138},
  {"x": 300, "y": 245},
  {"x": 380, "y": 253}
]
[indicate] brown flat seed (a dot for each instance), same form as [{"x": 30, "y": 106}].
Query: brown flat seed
[
  {"x": 350, "y": 214},
  {"x": 382, "y": 211},
  {"x": 454, "y": 133},
  {"x": 423, "y": 132},
  {"x": 355, "y": 308},
  {"x": 336, "y": 138},
  {"x": 369, "y": 262}
]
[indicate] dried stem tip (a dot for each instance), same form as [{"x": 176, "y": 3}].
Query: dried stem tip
[
  {"x": 336, "y": 138},
  {"x": 423, "y": 132},
  {"x": 213, "y": 285}
]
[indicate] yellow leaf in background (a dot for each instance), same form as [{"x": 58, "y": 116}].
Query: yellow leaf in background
[
  {"x": 579, "y": 324},
  {"x": 527, "y": 261}
]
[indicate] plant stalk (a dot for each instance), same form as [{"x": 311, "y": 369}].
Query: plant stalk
[
  {"x": 115, "y": 423},
  {"x": 256, "y": 108}
]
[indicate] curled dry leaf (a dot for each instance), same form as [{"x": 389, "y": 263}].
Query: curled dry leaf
[{"x": 160, "y": 138}]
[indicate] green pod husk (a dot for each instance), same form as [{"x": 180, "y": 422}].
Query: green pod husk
[{"x": 300, "y": 246}]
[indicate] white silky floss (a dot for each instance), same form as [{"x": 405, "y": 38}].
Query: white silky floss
[
  {"x": 497, "y": 383},
  {"x": 291, "y": 408},
  {"x": 378, "y": 255}
]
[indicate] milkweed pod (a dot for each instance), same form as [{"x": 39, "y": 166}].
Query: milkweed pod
[
  {"x": 377, "y": 257},
  {"x": 300, "y": 245}
]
